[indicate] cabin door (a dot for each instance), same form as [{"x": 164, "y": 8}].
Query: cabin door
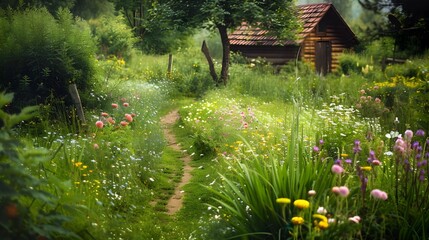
[{"x": 323, "y": 57}]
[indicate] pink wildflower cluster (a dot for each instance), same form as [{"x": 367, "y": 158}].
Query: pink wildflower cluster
[
  {"x": 105, "y": 118},
  {"x": 342, "y": 191},
  {"x": 378, "y": 194}
]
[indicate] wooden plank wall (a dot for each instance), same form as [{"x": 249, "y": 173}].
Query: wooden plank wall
[{"x": 335, "y": 33}]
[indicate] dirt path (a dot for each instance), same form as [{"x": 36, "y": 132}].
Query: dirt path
[{"x": 176, "y": 201}]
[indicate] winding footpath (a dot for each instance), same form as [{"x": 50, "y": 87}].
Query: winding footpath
[{"x": 175, "y": 203}]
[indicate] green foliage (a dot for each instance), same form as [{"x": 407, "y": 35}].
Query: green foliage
[
  {"x": 42, "y": 58},
  {"x": 28, "y": 210},
  {"x": 113, "y": 36}
]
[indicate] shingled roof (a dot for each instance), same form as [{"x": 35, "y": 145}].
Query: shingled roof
[{"x": 309, "y": 15}]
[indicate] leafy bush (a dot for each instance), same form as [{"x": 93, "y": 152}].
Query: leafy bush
[
  {"x": 28, "y": 211},
  {"x": 113, "y": 36},
  {"x": 40, "y": 55}
]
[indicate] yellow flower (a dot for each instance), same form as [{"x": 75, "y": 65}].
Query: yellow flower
[
  {"x": 344, "y": 155},
  {"x": 78, "y": 164},
  {"x": 323, "y": 225},
  {"x": 301, "y": 203},
  {"x": 320, "y": 217},
  {"x": 297, "y": 220},
  {"x": 283, "y": 200},
  {"x": 366, "y": 168}
]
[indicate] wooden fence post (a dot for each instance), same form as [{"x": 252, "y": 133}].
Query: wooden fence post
[
  {"x": 170, "y": 64},
  {"x": 76, "y": 100}
]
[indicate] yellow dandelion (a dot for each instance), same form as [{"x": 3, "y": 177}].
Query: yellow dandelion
[
  {"x": 78, "y": 164},
  {"x": 366, "y": 168},
  {"x": 297, "y": 220},
  {"x": 283, "y": 200},
  {"x": 323, "y": 225},
  {"x": 320, "y": 217},
  {"x": 344, "y": 155},
  {"x": 301, "y": 203}
]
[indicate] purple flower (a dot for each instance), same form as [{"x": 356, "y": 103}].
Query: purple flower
[
  {"x": 420, "y": 133},
  {"x": 343, "y": 191},
  {"x": 348, "y": 161},
  {"x": 357, "y": 148},
  {"x": 321, "y": 142},
  {"x": 316, "y": 149}
]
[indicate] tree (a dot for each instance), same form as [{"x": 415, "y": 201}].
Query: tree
[
  {"x": 409, "y": 21},
  {"x": 277, "y": 16}
]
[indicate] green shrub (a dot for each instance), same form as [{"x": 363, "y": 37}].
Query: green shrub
[
  {"x": 40, "y": 55},
  {"x": 113, "y": 36},
  {"x": 28, "y": 211}
]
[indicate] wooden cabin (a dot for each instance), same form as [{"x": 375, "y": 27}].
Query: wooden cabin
[{"x": 324, "y": 36}]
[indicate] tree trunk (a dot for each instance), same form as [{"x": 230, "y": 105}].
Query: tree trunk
[
  {"x": 224, "y": 74},
  {"x": 206, "y": 52}
]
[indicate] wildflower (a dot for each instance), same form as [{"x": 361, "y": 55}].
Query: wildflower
[
  {"x": 321, "y": 210},
  {"x": 357, "y": 148},
  {"x": 344, "y": 155},
  {"x": 245, "y": 125},
  {"x": 311, "y": 192},
  {"x": 343, "y": 191},
  {"x": 320, "y": 217},
  {"x": 362, "y": 91},
  {"x": 420, "y": 133},
  {"x": 377, "y": 100},
  {"x": 110, "y": 120},
  {"x": 301, "y": 203},
  {"x": 376, "y": 162},
  {"x": 321, "y": 142},
  {"x": 283, "y": 200},
  {"x": 316, "y": 149},
  {"x": 337, "y": 169},
  {"x": 96, "y": 146},
  {"x": 408, "y": 135},
  {"x": 128, "y": 117},
  {"x": 335, "y": 190},
  {"x": 125, "y": 104},
  {"x": 104, "y": 114},
  {"x": 366, "y": 168},
  {"x": 114, "y": 105},
  {"x": 355, "y": 219},
  {"x": 124, "y": 123},
  {"x": 99, "y": 124},
  {"x": 348, "y": 161},
  {"x": 323, "y": 224},
  {"x": 378, "y": 194},
  {"x": 297, "y": 220}
]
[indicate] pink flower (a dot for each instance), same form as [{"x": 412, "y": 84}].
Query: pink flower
[
  {"x": 337, "y": 169},
  {"x": 376, "y": 162},
  {"x": 378, "y": 194},
  {"x": 124, "y": 123},
  {"x": 99, "y": 124},
  {"x": 96, "y": 146},
  {"x": 245, "y": 125},
  {"x": 362, "y": 91},
  {"x": 110, "y": 120},
  {"x": 114, "y": 105},
  {"x": 355, "y": 219},
  {"x": 408, "y": 135},
  {"x": 343, "y": 191},
  {"x": 125, "y": 104},
  {"x": 335, "y": 190},
  {"x": 377, "y": 100},
  {"x": 128, "y": 117},
  {"x": 104, "y": 114}
]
